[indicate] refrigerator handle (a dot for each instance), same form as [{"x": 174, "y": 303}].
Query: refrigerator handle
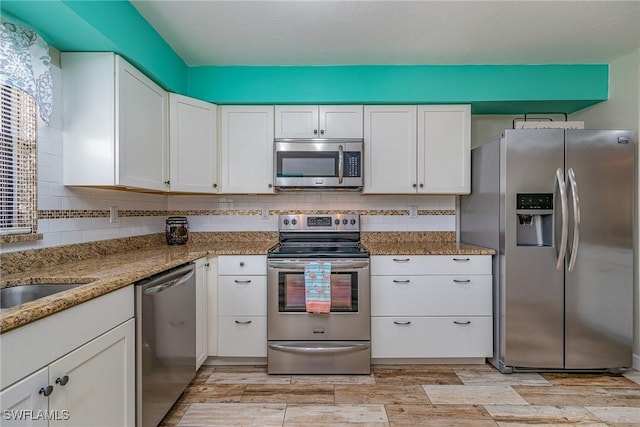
[
  {"x": 565, "y": 219},
  {"x": 576, "y": 218}
]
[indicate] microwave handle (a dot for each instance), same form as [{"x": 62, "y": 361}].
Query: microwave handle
[{"x": 340, "y": 164}]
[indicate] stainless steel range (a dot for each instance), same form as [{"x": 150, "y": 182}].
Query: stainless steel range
[{"x": 335, "y": 340}]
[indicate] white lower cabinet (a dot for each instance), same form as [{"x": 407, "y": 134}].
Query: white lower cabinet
[
  {"x": 202, "y": 311},
  {"x": 242, "y": 306},
  {"x": 66, "y": 371},
  {"x": 431, "y": 306}
]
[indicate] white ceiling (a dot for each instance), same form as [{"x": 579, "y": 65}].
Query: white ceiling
[{"x": 339, "y": 32}]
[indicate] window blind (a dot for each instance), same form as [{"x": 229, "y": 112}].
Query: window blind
[{"x": 18, "y": 170}]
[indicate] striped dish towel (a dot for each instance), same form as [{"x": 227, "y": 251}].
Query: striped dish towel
[{"x": 317, "y": 285}]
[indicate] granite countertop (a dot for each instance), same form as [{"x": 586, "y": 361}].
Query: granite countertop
[{"x": 101, "y": 270}]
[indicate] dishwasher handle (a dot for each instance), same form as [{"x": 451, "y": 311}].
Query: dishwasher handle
[{"x": 169, "y": 280}]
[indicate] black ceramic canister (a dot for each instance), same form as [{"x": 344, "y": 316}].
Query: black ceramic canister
[{"x": 177, "y": 230}]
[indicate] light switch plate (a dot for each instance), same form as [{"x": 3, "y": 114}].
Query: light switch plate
[
  {"x": 113, "y": 214},
  {"x": 265, "y": 213},
  {"x": 413, "y": 211}
]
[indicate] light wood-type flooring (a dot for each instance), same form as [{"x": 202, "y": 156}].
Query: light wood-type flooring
[{"x": 407, "y": 395}]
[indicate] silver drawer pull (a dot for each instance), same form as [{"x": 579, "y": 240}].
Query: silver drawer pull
[
  {"x": 462, "y": 259},
  {"x": 402, "y": 259},
  {"x": 402, "y": 323},
  {"x": 461, "y": 281},
  {"x": 245, "y": 322},
  {"x": 468, "y": 322},
  {"x": 242, "y": 281},
  {"x": 401, "y": 281}
]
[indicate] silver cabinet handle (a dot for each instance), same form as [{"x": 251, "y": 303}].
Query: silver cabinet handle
[
  {"x": 461, "y": 281},
  {"x": 215, "y": 185},
  {"x": 402, "y": 259},
  {"x": 243, "y": 322},
  {"x": 242, "y": 281},
  {"x": 401, "y": 281},
  {"x": 340, "y": 164},
  {"x": 46, "y": 391},
  {"x": 462, "y": 259},
  {"x": 321, "y": 131},
  {"x": 62, "y": 381},
  {"x": 402, "y": 323},
  {"x": 315, "y": 131},
  {"x": 457, "y": 322},
  {"x": 573, "y": 184},
  {"x": 562, "y": 187}
]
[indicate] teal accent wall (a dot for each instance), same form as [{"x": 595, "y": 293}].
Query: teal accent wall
[
  {"x": 491, "y": 89},
  {"x": 116, "y": 26}
]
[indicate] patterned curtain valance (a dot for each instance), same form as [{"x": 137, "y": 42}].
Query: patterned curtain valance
[{"x": 25, "y": 63}]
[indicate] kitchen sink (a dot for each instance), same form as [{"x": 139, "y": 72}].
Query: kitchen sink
[{"x": 16, "y": 295}]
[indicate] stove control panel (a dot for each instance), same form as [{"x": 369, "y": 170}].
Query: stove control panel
[{"x": 319, "y": 222}]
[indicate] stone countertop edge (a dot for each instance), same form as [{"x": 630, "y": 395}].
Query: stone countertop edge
[{"x": 104, "y": 274}]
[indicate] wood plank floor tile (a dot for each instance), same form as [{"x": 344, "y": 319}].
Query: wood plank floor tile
[
  {"x": 333, "y": 379},
  {"x": 210, "y": 393},
  {"x": 475, "y": 377},
  {"x": 473, "y": 395},
  {"x": 247, "y": 378},
  {"x": 530, "y": 414},
  {"x": 203, "y": 374},
  {"x": 616, "y": 415},
  {"x": 529, "y": 424},
  {"x": 633, "y": 375},
  {"x": 174, "y": 416},
  {"x": 289, "y": 393},
  {"x": 580, "y": 396},
  {"x": 336, "y": 415},
  {"x": 404, "y": 376},
  {"x": 234, "y": 414},
  {"x": 590, "y": 380},
  {"x": 381, "y": 394},
  {"x": 439, "y": 415}
]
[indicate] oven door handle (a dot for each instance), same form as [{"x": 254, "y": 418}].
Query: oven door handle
[
  {"x": 319, "y": 348},
  {"x": 335, "y": 265}
]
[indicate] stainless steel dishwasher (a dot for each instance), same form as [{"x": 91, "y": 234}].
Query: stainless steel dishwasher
[{"x": 165, "y": 341}]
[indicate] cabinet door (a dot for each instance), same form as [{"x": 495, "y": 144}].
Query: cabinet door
[
  {"x": 193, "y": 153},
  {"x": 444, "y": 149},
  {"x": 141, "y": 123},
  {"x": 202, "y": 317},
  {"x": 340, "y": 121},
  {"x": 296, "y": 121},
  {"x": 242, "y": 336},
  {"x": 390, "y": 149},
  {"x": 212, "y": 305},
  {"x": 247, "y": 149},
  {"x": 21, "y": 402},
  {"x": 99, "y": 380}
]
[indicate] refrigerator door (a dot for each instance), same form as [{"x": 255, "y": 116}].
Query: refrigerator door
[
  {"x": 532, "y": 293},
  {"x": 599, "y": 286}
]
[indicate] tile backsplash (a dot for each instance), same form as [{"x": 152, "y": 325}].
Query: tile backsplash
[{"x": 69, "y": 215}]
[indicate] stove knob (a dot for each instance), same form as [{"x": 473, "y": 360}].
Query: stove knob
[
  {"x": 353, "y": 222},
  {"x": 344, "y": 221},
  {"x": 294, "y": 222},
  {"x": 286, "y": 222},
  {"x": 337, "y": 222}
]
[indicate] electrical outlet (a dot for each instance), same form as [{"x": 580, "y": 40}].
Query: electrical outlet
[
  {"x": 113, "y": 214},
  {"x": 413, "y": 211},
  {"x": 265, "y": 213}
]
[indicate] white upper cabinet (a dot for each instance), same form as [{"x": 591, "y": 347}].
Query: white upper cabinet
[
  {"x": 313, "y": 121},
  {"x": 115, "y": 124},
  {"x": 246, "y": 149},
  {"x": 193, "y": 154},
  {"x": 444, "y": 149},
  {"x": 390, "y": 146},
  {"x": 412, "y": 149}
]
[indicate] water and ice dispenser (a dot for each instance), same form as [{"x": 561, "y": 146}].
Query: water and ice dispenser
[{"x": 534, "y": 219}]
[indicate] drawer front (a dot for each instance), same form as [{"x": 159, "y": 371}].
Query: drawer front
[
  {"x": 242, "y": 336},
  {"x": 242, "y": 295},
  {"x": 431, "y": 295},
  {"x": 242, "y": 264},
  {"x": 435, "y": 337},
  {"x": 430, "y": 264}
]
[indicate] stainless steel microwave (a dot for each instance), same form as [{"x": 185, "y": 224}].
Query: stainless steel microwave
[{"x": 318, "y": 164}]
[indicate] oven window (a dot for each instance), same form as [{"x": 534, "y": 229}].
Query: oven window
[
  {"x": 311, "y": 164},
  {"x": 344, "y": 292}
]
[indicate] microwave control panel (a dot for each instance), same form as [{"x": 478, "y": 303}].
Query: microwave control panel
[{"x": 352, "y": 164}]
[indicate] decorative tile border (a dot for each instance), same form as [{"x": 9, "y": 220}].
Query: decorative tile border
[{"x": 77, "y": 213}]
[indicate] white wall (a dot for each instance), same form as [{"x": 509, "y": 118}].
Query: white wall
[{"x": 622, "y": 111}]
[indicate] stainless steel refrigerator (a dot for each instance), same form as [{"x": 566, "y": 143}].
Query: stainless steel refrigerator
[{"x": 557, "y": 206}]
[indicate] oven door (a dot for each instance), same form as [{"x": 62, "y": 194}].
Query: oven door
[{"x": 349, "y": 318}]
